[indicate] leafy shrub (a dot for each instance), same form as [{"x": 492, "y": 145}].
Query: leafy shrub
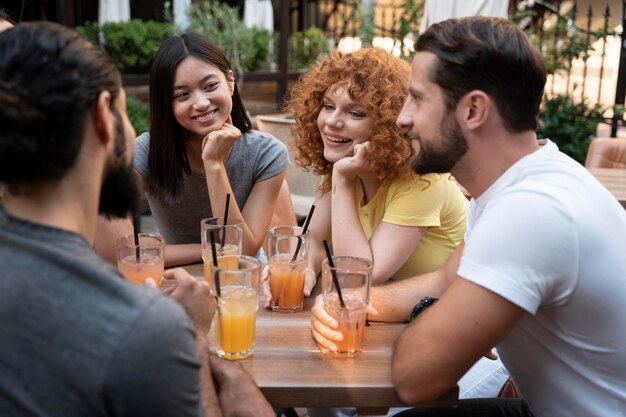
[
  {"x": 131, "y": 44},
  {"x": 569, "y": 124},
  {"x": 304, "y": 48},
  {"x": 246, "y": 48},
  {"x": 255, "y": 52},
  {"x": 138, "y": 114}
]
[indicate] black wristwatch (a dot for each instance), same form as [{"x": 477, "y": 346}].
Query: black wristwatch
[{"x": 421, "y": 306}]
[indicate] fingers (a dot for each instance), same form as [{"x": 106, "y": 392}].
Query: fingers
[
  {"x": 309, "y": 281},
  {"x": 371, "y": 311},
  {"x": 195, "y": 297},
  {"x": 322, "y": 325},
  {"x": 149, "y": 282}
]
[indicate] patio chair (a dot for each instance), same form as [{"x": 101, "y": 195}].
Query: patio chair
[{"x": 606, "y": 153}]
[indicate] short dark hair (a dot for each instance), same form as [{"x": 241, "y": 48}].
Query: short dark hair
[
  {"x": 50, "y": 78},
  {"x": 5, "y": 16},
  {"x": 167, "y": 161},
  {"x": 492, "y": 55}
]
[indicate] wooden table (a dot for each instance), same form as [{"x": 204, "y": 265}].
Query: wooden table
[
  {"x": 614, "y": 179},
  {"x": 291, "y": 372}
]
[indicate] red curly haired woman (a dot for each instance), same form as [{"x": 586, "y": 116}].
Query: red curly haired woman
[{"x": 370, "y": 203}]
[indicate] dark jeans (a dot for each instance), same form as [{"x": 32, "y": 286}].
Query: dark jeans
[{"x": 480, "y": 407}]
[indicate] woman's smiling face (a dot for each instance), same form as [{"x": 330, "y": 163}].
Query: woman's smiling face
[
  {"x": 202, "y": 97},
  {"x": 342, "y": 123}
]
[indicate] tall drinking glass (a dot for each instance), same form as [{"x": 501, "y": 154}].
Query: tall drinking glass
[
  {"x": 354, "y": 276},
  {"x": 228, "y": 242},
  {"x": 140, "y": 262},
  {"x": 286, "y": 272},
  {"x": 237, "y": 290}
]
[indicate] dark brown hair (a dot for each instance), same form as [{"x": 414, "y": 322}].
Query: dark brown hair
[
  {"x": 167, "y": 160},
  {"x": 492, "y": 55}
]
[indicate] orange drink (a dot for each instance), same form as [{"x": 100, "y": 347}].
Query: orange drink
[
  {"x": 288, "y": 251},
  {"x": 137, "y": 272},
  {"x": 237, "y": 291},
  {"x": 287, "y": 282},
  {"x": 226, "y": 259},
  {"x": 353, "y": 277},
  {"x": 236, "y": 321},
  {"x": 351, "y": 321},
  {"x": 140, "y": 262},
  {"x": 227, "y": 240}
]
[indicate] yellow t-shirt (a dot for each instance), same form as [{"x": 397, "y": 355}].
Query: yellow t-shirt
[{"x": 433, "y": 201}]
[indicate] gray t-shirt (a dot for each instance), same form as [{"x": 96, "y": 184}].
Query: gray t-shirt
[
  {"x": 76, "y": 339},
  {"x": 255, "y": 157}
]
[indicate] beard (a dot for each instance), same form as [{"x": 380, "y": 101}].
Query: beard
[
  {"x": 119, "y": 195},
  {"x": 432, "y": 161}
]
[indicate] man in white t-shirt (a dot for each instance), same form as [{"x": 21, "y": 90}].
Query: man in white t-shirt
[{"x": 542, "y": 270}]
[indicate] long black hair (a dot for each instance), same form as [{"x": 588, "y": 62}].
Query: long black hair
[{"x": 167, "y": 160}]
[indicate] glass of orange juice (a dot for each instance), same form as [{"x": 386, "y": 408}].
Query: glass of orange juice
[
  {"x": 228, "y": 242},
  {"x": 237, "y": 289},
  {"x": 354, "y": 276},
  {"x": 287, "y": 269},
  {"x": 140, "y": 262}
]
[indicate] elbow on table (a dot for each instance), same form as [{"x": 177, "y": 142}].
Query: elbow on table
[{"x": 412, "y": 388}]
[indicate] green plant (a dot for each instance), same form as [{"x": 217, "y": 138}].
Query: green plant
[
  {"x": 131, "y": 44},
  {"x": 138, "y": 114},
  {"x": 569, "y": 124},
  {"x": 247, "y": 49},
  {"x": 255, "y": 50},
  {"x": 304, "y": 48}
]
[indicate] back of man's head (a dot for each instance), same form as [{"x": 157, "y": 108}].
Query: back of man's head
[
  {"x": 50, "y": 79},
  {"x": 489, "y": 54}
]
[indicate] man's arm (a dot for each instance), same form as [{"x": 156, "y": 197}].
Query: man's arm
[
  {"x": 447, "y": 339},
  {"x": 238, "y": 394},
  {"x": 395, "y": 301},
  {"x": 200, "y": 306}
]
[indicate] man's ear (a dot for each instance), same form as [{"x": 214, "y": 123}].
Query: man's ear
[
  {"x": 476, "y": 106},
  {"x": 103, "y": 117}
]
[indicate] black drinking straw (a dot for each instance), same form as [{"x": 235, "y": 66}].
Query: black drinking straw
[
  {"x": 216, "y": 277},
  {"x": 304, "y": 229},
  {"x": 136, "y": 235},
  {"x": 225, "y": 221},
  {"x": 334, "y": 274}
]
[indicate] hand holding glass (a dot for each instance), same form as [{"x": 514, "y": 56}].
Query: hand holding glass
[{"x": 354, "y": 276}]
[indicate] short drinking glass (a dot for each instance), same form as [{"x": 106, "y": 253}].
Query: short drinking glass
[
  {"x": 287, "y": 269},
  {"x": 227, "y": 238},
  {"x": 140, "y": 262},
  {"x": 354, "y": 276}
]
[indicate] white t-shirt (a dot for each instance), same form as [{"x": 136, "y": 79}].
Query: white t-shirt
[{"x": 551, "y": 239}]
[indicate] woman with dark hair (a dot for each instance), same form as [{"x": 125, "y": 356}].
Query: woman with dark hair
[{"x": 201, "y": 147}]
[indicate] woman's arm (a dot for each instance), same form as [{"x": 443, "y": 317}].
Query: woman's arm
[{"x": 390, "y": 245}]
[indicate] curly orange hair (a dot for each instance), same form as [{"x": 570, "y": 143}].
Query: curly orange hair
[{"x": 377, "y": 81}]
